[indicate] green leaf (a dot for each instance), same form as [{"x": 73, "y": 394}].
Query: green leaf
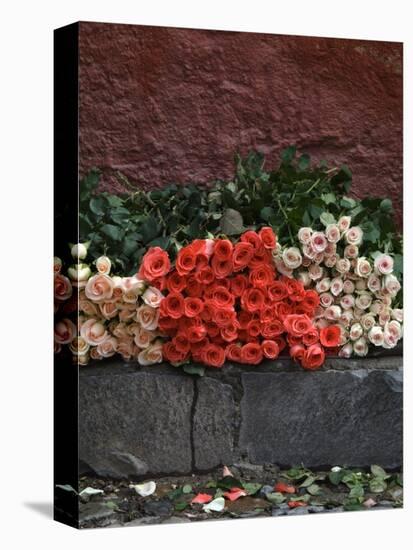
[
  {"x": 304, "y": 162},
  {"x": 194, "y": 369},
  {"x": 386, "y": 205},
  {"x": 129, "y": 246},
  {"x": 357, "y": 491},
  {"x": 378, "y": 471},
  {"x": 186, "y": 489},
  {"x": 329, "y": 198},
  {"x": 97, "y": 205},
  {"x": 180, "y": 506},
  {"x": 314, "y": 489},
  {"x": 326, "y": 218},
  {"x": 112, "y": 231},
  {"x": 228, "y": 482},
  {"x": 275, "y": 498},
  {"x": 120, "y": 215},
  {"x": 231, "y": 222},
  {"x": 149, "y": 229},
  {"x": 347, "y": 202},
  {"x": 308, "y": 481},
  {"x": 252, "y": 488},
  {"x": 336, "y": 477},
  {"x": 377, "y": 485},
  {"x": 266, "y": 213},
  {"x": 288, "y": 154}
]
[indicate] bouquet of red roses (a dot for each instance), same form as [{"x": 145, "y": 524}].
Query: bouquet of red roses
[{"x": 224, "y": 301}]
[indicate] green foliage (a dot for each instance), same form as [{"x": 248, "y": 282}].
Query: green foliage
[{"x": 295, "y": 194}]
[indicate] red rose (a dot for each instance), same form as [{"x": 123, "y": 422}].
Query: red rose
[
  {"x": 330, "y": 336},
  {"x": 294, "y": 340},
  {"x": 238, "y": 285},
  {"x": 205, "y": 276},
  {"x": 181, "y": 343},
  {"x": 313, "y": 358},
  {"x": 295, "y": 289},
  {"x": 267, "y": 237},
  {"x": 297, "y": 352},
  {"x": 311, "y": 337},
  {"x": 310, "y": 301},
  {"x": 277, "y": 291},
  {"x": 267, "y": 314},
  {"x": 171, "y": 354},
  {"x": 253, "y": 238},
  {"x": 224, "y": 317},
  {"x": 270, "y": 349},
  {"x": 193, "y": 287},
  {"x": 213, "y": 355},
  {"x": 253, "y": 299},
  {"x": 175, "y": 282},
  {"x": 272, "y": 329},
  {"x": 167, "y": 324},
  {"x": 233, "y": 352},
  {"x": 154, "y": 264},
  {"x": 253, "y": 329},
  {"x": 243, "y": 253},
  {"x": 229, "y": 333},
  {"x": 223, "y": 249},
  {"x": 193, "y": 307},
  {"x": 282, "y": 309},
  {"x": 195, "y": 331},
  {"x": 297, "y": 325},
  {"x": 221, "y": 268},
  {"x": 261, "y": 276},
  {"x": 185, "y": 260},
  {"x": 251, "y": 353},
  {"x": 197, "y": 347},
  {"x": 261, "y": 256},
  {"x": 280, "y": 342},
  {"x": 220, "y": 297},
  {"x": 172, "y": 306}
]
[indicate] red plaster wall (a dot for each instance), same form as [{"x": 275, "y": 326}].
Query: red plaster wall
[{"x": 164, "y": 104}]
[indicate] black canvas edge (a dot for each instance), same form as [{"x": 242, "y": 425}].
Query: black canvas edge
[{"x": 66, "y": 229}]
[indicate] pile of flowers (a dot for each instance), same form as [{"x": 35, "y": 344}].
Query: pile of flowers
[
  {"x": 116, "y": 314},
  {"x": 357, "y": 293},
  {"x": 241, "y": 301}
]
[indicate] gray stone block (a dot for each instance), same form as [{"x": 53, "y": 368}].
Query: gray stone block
[
  {"x": 346, "y": 417},
  {"x": 214, "y": 420},
  {"x": 134, "y": 423}
]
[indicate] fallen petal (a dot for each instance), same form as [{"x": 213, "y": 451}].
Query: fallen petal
[
  {"x": 296, "y": 503},
  {"x": 227, "y": 472},
  {"x": 201, "y": 498},
  {"x": 144, "y": 489},
  {"x": 235, "y": 494},
  {"x": 89, "y": 491},
  {"x": 217, "y": 505},
  {"x": 369, "y": 503},
  {"x": 281, "y": 487}
]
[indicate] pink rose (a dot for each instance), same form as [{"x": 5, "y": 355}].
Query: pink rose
[
  {"x": 78, "y": 346},
  {"x": 344, "y": 223},
  {"x": 383, "y": 264},
  {"x": 64, "y": 331},
  {"x": 354, "y": 236},
  {"x": 62, "y": 288},
  {"x": 304, "y": 235},
  {"x": 103, "y": 265},
  {"x": 318, "y": 242},
  {"x": 108, "y": 347},
  {"x": 333, "y": 233},
  {"x": 93, "y": 332},
  {"x": 109, "y": 310},
  {"x": 152, "y": 297},
  {"x": 99, "y": 288}
]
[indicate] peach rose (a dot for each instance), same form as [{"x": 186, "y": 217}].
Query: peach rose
[
  {"x": 143, "y": 337},
  {"x": 148, "y": 317},
  {"x": 120, "y": 330},
  {"x": 108, "y": 347},
  {"x": 64, "y": 331},
  {"x": 93, "y": 332},
  {"x": 83, "y": 359},
  {"x": 151, "y": 355},
  {"x": 99, "y": 288},
  {"x": 152, "y": 297},
  {"x": 127, "y": 312},
  {"x": 126, "y": 348},
  {"x": 103, "y": 265},
  {"x": 62, "y": 288},
  {"x": 87, "y": 307},
  {"x": 109, "y": 310},
  {"x": 79, "y": 346}
]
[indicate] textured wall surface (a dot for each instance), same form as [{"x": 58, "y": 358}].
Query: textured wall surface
[{"x": 165, "y": 104}]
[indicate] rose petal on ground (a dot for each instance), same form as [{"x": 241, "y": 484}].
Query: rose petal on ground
[
  {"x": 144, "y": 489},
  {"x": 235, "y": 493},
  {"x": 369, "y": 503},
  {"x": 281, "y": 487},
  {"x": 227, "y": 472},
  {"x": 89, "y": 491},
  {"x": 296, "y": 503},
  {"x": 217, "y": 505},
  {"x": 201, "y": 498}
]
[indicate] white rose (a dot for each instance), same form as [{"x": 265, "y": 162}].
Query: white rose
[
  {"x": 391, "y": 284},
  {"x": 354, "y": 235},
  {"x": 323, "y": 285},
  {"x": 332, "y": 313},
  {"x": 347, "y": 301},
  {"x": 333, "y": 233},
  {"x": 133, "y": 284},
  {"x": 374, "y": 283},
  {"x": 99, "y": 288},
  {"x": 367, "y": 321},
  {"x": 346, "y": 351},
  {"x": 304, "y": 235},
  {"x": 383, "y": 264},
  {"x": 336, "y": 286},
  {"x": 315, "y": 272},
  {"x": 282, "y": 268},
  {"x": 292, "y": 258},
  {"x": 330, "y": 261},
  {"x": 348, "y": 287},
  {"x": 79, "y": 251},
  {"x": 356, "y": 331},
  {"x": 343, "y": 265},
  {"x": 326, "y": 299},
  {"x": 103, "y": 265},
  {"x": 363, "y": 267},
  {"x": 318, "y": 242},
  {"x": 363, "y": 301},
  {"x": 347, "y": 317},
  {"x": 344, "y": 223},
  {"x": 304, "y": 278},
  {"x": 394, "y": 328},
  {"x": 361, "y": 347},
  {"x": 376, "y": 335},
  {"x": 351, "y": 251},
  {"x": 143, "y": 338},
  {"x": 79, "y": 272},
  {"x": 309, "y": 251},
  {"x": 79, "y": 346},
  {"x": 376, "y": 307},
  {"x": 397, "y": 314}
]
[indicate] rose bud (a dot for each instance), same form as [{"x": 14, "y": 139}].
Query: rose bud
[
  {"x": 79, "y": 272},
  {"x": 346, "y": 351},
  {"x": 57, "y": 265},
  {"x": 79, "y": 251},
  {"x": 304, "y": 235}
]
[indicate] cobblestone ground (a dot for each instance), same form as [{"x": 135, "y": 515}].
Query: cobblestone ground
[{"x": 245, "y": 491}]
